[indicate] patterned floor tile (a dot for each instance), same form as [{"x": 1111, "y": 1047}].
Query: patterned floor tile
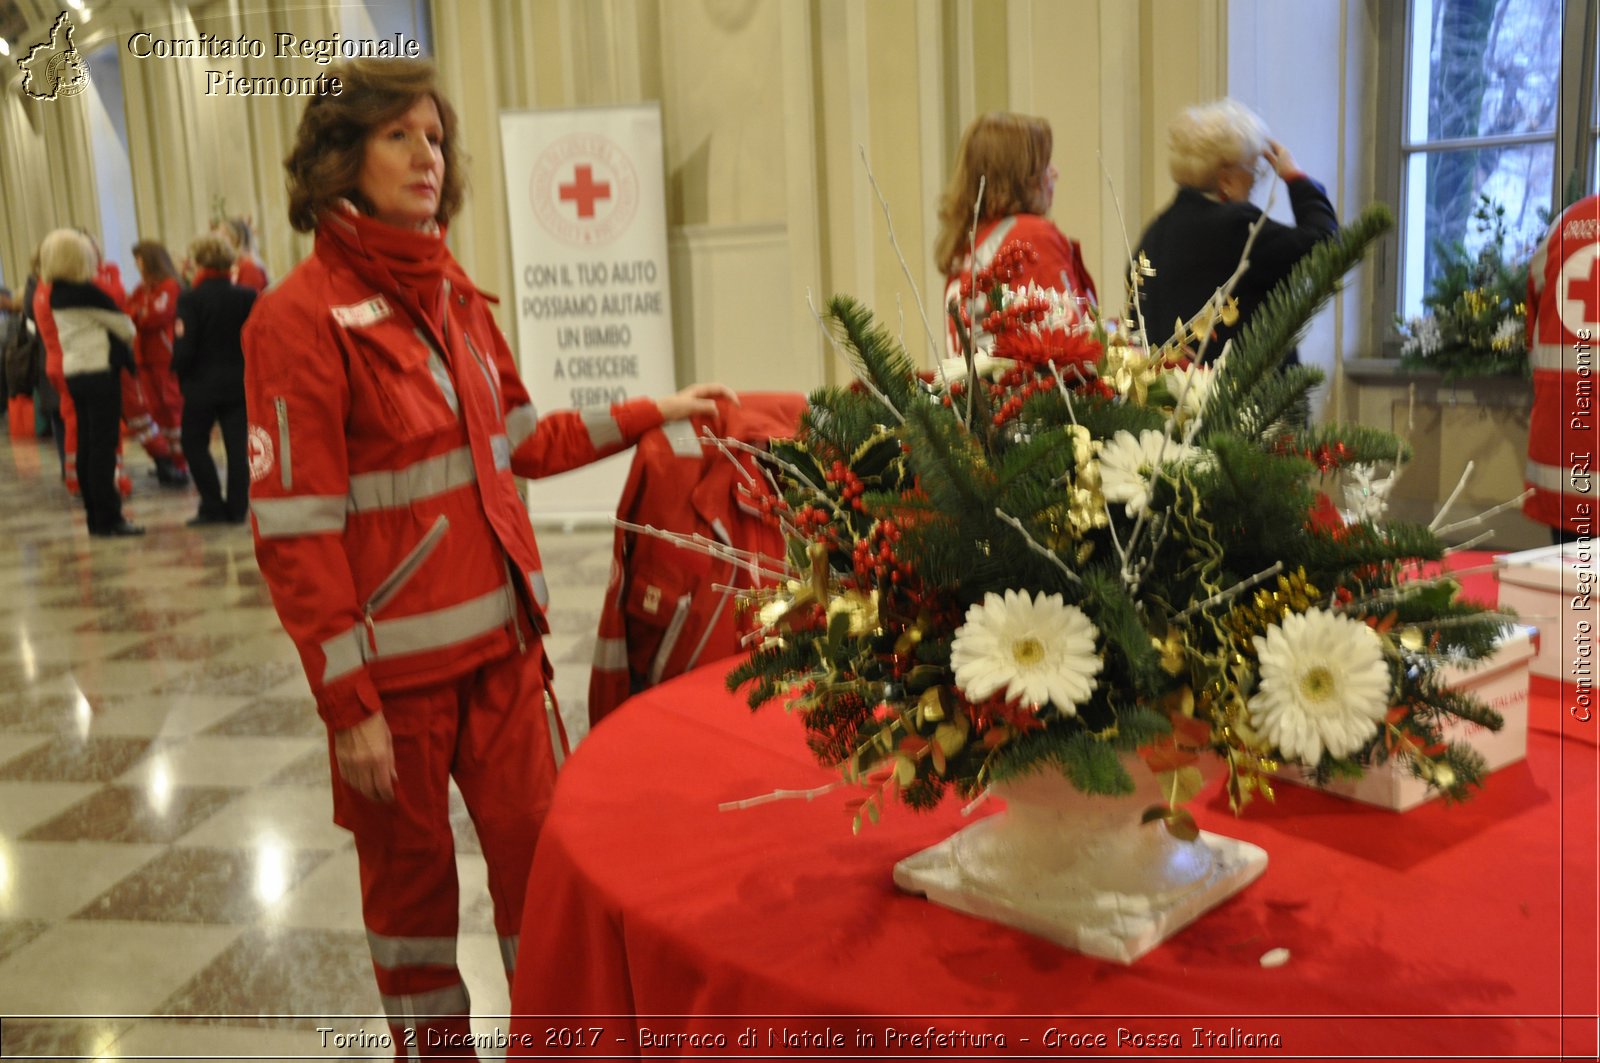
[
  {"x": 329, "y": 898},
  {"x": 175, "y": 647},
  {"x": 274, "y": 814},
  {"x": 233, "y": 679},
  {"x": 166, "y": 716},
  {"x": 63, "y": 1038},
  {"x": 51, "y": 880},
  {"x": 282, "y": 971},
  {"x": 134, "y": 815},
  {"x": 211, "y": 760},
  {"x": 72, "y": 759},
  {"x": 233, "y": 887},
  {"x": 273, "y": 717},
  {"x": 97, "y": 968},
  {"x": 15, "y": 933},
  {"x": 311, "y": 769},
  {"x": 27, "y": 804}
]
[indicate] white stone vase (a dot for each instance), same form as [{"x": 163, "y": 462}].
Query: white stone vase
[{"x": 1081, "y": 869}]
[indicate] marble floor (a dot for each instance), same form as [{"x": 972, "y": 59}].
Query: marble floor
[{"x": 171, "y": 883}]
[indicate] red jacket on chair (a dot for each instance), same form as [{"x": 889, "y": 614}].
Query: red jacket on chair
[{"x": 667, "y": 608}]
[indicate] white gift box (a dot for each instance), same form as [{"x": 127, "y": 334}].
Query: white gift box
[
  {"x": 1552, "y": 588},
  {"x": 1500, "y": 681}
]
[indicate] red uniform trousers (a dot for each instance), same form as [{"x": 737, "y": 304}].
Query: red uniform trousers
[
  {"x": 490, "y": 731},
  {"x": 163, "y": 396}
]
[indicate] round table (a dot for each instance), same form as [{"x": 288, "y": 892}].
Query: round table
[{"x": 657, "y": 924}]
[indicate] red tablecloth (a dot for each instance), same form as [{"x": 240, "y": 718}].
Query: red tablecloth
[{"x": 1450, "y": 930}]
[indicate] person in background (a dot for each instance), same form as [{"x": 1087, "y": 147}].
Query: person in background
[
  {"x": 208, "y": 359},
  {"x": 1010, "y": 154},
  {"x": 1563, "y": 322},
  {"x": 248, "y": 269},
  {"x": 1217, "y": 153},
  {"x": 93, "y": 335},
  {"x": 154, "y": 309},
  {"x": 387, "y": 426}
]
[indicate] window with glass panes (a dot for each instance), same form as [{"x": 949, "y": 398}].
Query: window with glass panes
[{"x": 1488, "y": 98}]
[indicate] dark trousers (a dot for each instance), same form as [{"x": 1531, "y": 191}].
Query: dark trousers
[
  {"x": 201, "y": 410},
  {"x": 98, "y": 400}
]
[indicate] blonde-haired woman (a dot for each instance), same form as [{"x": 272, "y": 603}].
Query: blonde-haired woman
[
  {"x": 91, "y": 337},
  {"x": 1217, "y": 153},
  {"x": 1010, "y": 155}
]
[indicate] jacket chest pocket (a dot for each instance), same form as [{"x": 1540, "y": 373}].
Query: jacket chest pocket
[{"x": 400, "y": 385}]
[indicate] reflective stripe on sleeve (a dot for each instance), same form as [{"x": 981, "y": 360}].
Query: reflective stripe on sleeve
[
  {"x": 342, "y": 654},
  {"x": 298, "y": 515},
  {"x": 603, "y": 429},
  {"x": 520, "y": 423},
  {"x": 500, "y": 446},
  {"x": 1551, "y": 478},
  {"x": 541, "y": 589},
  {"x": 441, "y": 627},
  {"x": 404, "y": 1011},
  {"x": 417, "y": 481},
  {"x": 611, "y": 655},
  {"x": 1561, "y": 357},
  {"x": 393, "y": 952},
  {"x": 419, "y": 633}
]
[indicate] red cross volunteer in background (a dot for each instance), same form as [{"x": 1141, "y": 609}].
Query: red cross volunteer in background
[{"x": 1563, "y": 328}]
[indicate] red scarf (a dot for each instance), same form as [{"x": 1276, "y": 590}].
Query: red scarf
[{"x": 409, "y": 264}]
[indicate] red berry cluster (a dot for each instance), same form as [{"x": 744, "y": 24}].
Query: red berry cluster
[
  {"x": 850, "y": 486},
  {"x": 873, "y": 556},
  {"x": 1011, "y": 262},
  {"x": 1013, "y": 405},
  {"x": 811, "y": 519}
]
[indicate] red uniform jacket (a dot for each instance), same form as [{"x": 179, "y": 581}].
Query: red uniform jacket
[
  {"x": 1059, "y": 267},
  {"x": 154, "y": 310},
  {"x": 1563, "y": 320},
  {"x": 667, "y": 608},
  {"x": 387, "y": 425}
]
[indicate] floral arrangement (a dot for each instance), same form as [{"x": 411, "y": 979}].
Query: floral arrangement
[
  {"x": 1476, "y": 318},
  {"x": 1071, "y": 544}
]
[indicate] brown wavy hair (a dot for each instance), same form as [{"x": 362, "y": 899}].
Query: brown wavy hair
[
  {"x": 152, "y": 255},
  {"x": 331, "y": 143},
  {"x": 1011, "y": 153}
]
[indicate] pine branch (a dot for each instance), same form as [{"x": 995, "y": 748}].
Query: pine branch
[{"x": 1281, "y": 318}]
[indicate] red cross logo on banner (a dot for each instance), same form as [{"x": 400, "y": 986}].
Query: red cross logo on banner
[{"x": 584, "y": 191}]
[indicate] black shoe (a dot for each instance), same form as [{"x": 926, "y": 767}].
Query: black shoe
[
  {"x": 117, "y": 531},
  {"x": 203, "y": 519}
]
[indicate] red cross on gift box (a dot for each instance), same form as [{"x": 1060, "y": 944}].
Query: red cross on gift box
[{"x": 584, "y": 191}]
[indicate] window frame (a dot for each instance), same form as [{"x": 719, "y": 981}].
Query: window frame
[{"x": 1575, "y": 137}]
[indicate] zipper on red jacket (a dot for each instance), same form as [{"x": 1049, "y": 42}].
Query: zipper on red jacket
[
  {"x": 511, "y": 596},
  {"x": 402, "y": 574},
  {"x": 280, "y": 406}
]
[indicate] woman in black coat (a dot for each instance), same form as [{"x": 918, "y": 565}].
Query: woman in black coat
[
  {"x": 1217, "y": 153},
  {"x": 209, "y": 363}
]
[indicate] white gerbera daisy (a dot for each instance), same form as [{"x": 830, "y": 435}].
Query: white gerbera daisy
[
  {"x": 1126, "y": 465},
  {"x": 1324, "y": 685},
  {"x": 1035, "y": 649}
]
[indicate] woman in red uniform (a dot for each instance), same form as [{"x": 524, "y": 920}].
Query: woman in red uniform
[
  {"x": 1010, "y": 154},
  {"x": 154, "y": 309},
  {"x": 387, "y": 427}
]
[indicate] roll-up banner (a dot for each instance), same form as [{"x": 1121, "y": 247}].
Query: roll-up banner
[{"x": 585, "y": 196}]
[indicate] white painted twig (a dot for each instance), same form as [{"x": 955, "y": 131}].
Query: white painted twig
[
  {"x": 1461, "y": 484},
  {"x": 936, "y": 348},
  {"x": 780, "y": 795},
  {"x": 1037, "y": 547},
  {"x": 1233, "y": 591}
]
